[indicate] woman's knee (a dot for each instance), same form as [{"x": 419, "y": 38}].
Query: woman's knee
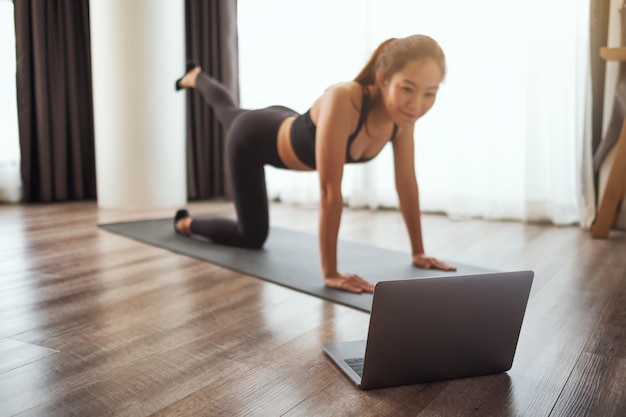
[{"x": 255, "y": 241}]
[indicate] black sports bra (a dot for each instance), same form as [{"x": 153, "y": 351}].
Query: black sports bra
[{"x": 303, "y": 134}]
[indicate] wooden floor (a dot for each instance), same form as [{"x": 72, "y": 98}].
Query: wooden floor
[{"x": 95, "y": 324}]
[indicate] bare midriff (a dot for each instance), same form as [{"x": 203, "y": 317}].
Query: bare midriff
[{"x": 285, "y": 150}]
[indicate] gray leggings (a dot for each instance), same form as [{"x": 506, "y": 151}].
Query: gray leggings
[{"x": 250, "y": 144}]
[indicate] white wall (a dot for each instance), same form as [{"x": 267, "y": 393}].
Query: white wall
[{"x": 137, "y": 54}]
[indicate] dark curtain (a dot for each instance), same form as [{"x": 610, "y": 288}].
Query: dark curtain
[
  {"x": 55, "y": 111},
  {"x": 211, "y": 41},
  {"x": 618, "y": 112},
  {"x": 598, "y": 38}
]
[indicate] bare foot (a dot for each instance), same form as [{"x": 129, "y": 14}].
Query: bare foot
[
  {"x": 189, "y": 79},
  {"x": 184, "y": 226}
]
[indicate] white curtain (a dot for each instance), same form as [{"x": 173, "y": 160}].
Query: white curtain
[
  {"x": 507, "y": 138},
  {"x": 10, "y": 182}
]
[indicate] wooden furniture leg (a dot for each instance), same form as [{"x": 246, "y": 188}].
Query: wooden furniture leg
[{"x": 614, "y": 191}]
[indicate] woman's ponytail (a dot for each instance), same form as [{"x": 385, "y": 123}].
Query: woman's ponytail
[{"x": 367, "y": 76}]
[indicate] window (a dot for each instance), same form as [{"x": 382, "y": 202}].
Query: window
[
  {"x": 10, "y": 183},
  {"x": 503, "y": 140}
]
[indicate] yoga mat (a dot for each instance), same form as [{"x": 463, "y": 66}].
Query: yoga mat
[{"x": 289, "y": 258}]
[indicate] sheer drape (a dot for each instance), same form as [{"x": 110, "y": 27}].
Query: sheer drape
[
  {"x": 211, "y": 41},
  {"x": 54, "y": 100},
  {"x": 10, "y": 182},
  {"x": 507, "y": 138}
]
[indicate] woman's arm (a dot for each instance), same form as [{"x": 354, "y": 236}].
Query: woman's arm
[
  {"x": 408, "y": 196},
  {"x": 336, "y": 117}
]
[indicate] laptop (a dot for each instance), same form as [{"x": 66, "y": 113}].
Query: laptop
[{"x": 432, "y": 329}]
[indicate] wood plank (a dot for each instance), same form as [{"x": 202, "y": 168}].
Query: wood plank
[
  {"x": 181, "y": 368},
  {"x": 279, "y": 379},
  {"x": 614, "y": 53},
  {"x": 16, "y": 354},
  {"x": 596, "y": 385},
  {"x": 93, "y": 321},
  {"x": 559, "y": 319},
  {"x": 614, "y": 190}
]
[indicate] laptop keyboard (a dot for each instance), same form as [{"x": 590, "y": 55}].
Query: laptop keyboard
[{"x": 356, "y": 364}]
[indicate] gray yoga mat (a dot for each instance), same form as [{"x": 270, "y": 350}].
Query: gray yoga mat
[{"x": 290, "y": 259}]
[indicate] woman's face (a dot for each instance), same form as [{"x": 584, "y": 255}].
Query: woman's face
[{"x": 411, "y": 92}]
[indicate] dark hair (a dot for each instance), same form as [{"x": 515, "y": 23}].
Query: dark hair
[{"x": 395, "y": 53}]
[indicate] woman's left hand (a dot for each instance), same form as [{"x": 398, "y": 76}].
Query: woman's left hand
[{"x": 427, "y": 262}]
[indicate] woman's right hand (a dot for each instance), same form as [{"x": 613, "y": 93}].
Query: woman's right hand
[{"x": 349, "y": 282}]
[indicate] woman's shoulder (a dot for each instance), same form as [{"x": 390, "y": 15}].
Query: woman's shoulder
[
  {"x": 350, "y": 92},
  {"x": 346, "y": 89},
  {"x": 341, "y": 99}
]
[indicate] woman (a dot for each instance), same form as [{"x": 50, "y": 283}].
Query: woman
[{"x": 349, "y": 123}]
